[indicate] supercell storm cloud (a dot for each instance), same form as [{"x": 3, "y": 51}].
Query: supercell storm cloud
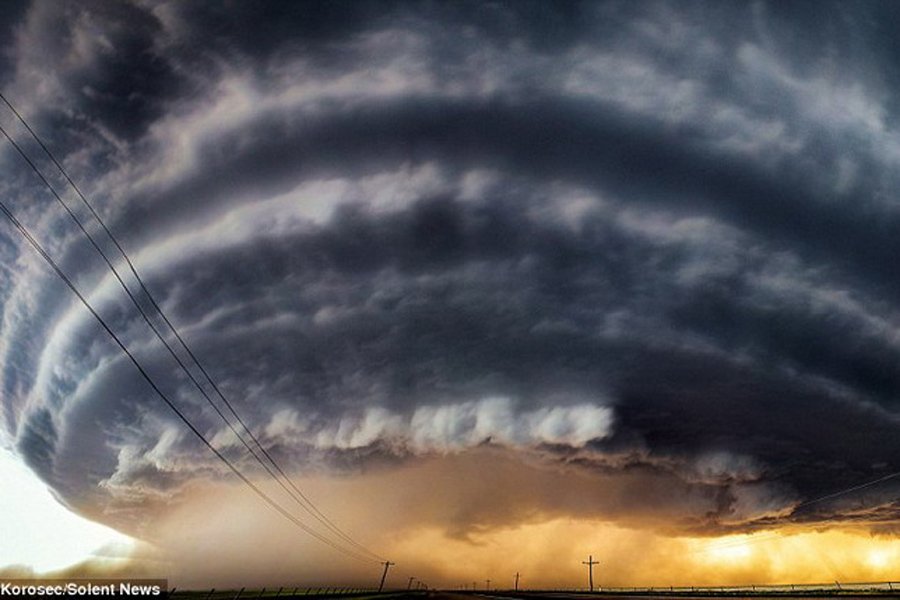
[{"x": 627, "y": 239}]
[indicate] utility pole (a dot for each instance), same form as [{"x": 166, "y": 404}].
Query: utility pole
[
  {"x": 517, "y": 581},
  {"x": 590, "y": 563},
  {"x": 409, "y": 585},
  {"x": 387, "y": 565}
]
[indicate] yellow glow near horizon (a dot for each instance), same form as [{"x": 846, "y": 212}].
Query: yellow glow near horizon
[
  {"x": 38, "y": 532},
  {"x": 731, "y": 549},
  {"x": 878, "y": 559},
  {"x": 633, "y": 557}
]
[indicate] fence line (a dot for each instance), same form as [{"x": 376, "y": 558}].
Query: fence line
[{"x": 787, "y": 589}]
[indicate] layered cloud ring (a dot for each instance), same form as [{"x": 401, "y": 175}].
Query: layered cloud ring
[{"x": 611, "y": 237}]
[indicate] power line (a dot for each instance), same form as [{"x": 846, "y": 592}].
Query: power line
[
  {"x": 65, "y": 278},
  {"x": 295, "y": 493},
  {"x": 150, "y": 324},
  {"x": 771, "y": 536},
  {"x": 849, "y": 490},
  {"x": 590, "y": 562},
  {"x": 387, "y": 565}
]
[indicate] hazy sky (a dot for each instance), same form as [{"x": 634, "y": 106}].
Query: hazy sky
[{"x": 501, "y": 283}]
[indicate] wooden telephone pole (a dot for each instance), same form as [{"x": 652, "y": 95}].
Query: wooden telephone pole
[
  {"x": 387, "y": 565},
  {"x": 517, "y": 581},
  {"x": 590, "y": 563}
]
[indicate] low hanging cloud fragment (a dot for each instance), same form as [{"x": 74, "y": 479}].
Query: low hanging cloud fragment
[{"x": 451, "y": 428}]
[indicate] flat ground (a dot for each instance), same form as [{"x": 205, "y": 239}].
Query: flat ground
[
  {"x": 610, "y": 596},
  {"x": 252, "y": 594}
]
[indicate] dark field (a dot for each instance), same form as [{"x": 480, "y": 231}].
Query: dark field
[{"x": 506, "y": 595}]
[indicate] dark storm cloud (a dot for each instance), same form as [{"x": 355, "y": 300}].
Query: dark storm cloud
[
  {"x": 650, "y": 240},
  {"x": 94, "y": 66}
]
